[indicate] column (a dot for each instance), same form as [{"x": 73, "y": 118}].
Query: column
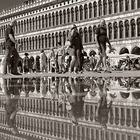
[
  {"x": 112, "y": 6},
  {"x": 130, "y": 27},
  {"x": 130, "y": 5},
  {"x": 97, "y": 9},
  {"x": 102, "y": 8},
  {"x": 124, "y": 5},
  {"x": 118, "y": 6},
  {"x": 112, "y": 32},
  {"x": 136, "y": 28},
  {"x": 136, "y": 4}
]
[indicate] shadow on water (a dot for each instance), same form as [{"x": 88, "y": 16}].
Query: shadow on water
[{"x": 84, "y": 108}]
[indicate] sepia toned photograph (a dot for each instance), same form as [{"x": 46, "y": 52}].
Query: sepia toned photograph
[{"x": 70, "y": 70}]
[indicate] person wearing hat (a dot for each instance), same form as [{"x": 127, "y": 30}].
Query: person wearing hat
[
  {"x": 43, "y": 61},
  {"x": 75, "y": 49},
  {"x": 10, "y": 49},
  {"x": 26, "y": 62}
]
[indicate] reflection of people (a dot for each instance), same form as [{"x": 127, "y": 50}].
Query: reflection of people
[
  {"x": 11, "y": 90},
  {"x": 102, "y": 107},
  {"x": 75, "y": 106},
  {"x": 75, "y": 102},
  {"x": 43, "y": 61},
  {"x": 43, "y": 87}
]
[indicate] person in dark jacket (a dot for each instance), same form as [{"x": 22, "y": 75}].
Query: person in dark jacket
[
  {"x": 75, "y": 49},
  {"x": 101, "y": 40},
  {"x": 26, "y": 62},
  {"x": 10, "y": 49}
]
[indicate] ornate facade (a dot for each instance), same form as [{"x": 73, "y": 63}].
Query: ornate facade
[{"x": 42, "y": 23}]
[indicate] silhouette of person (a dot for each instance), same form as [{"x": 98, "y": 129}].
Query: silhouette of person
[
  {"x": 11, "y": 90},
  {"x": 102, "y": 107}
]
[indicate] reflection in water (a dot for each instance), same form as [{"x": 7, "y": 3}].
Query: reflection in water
[
  {"x": 12, "y": 92},
  {"x": 70, "y": 108}
]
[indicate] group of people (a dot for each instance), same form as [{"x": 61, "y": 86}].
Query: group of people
[{"x": 72, "y": 52}]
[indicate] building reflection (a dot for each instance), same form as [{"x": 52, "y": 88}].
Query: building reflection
[{"x": 73, "y": 108}]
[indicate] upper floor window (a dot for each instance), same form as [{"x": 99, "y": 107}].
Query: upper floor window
[{"x": 110, "y": 6}]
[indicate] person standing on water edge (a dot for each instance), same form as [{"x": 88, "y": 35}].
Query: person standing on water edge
[
  {"x": 10, "y": 49},
  {"x": 101, "y": 40}
]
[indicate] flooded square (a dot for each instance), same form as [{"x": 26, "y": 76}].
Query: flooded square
[{"x": 70, "y": 108}]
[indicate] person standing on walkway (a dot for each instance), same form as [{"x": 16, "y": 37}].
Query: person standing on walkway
[
  {"x": 75, "y": 49},
  {"x": 10, "y": 48},
  {"x": 101, "y": 40},
  {"x": 26, "y": 63},
  {"x": 43, "y": 61}
]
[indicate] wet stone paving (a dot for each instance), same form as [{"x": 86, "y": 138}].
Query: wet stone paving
[{"x": 70, "y": 108}]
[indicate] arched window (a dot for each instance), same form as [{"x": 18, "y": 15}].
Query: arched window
[
  {"x": 90, "y": 10},
  {"x": 64, "y": 37},
  {"x": 85, "y": 11},
  {"x": 126, "y": 28},
  {"x": 27, "y": 44},
  {"x": 39, "y": 22},
  {"x": 121, "y": 5},
  {"x": 110, "y": 30},
  {"x": 36, "y": 40},
  {"x": 133, "y": 28},
  {"x": 138, "y": 26},
  {"x": 76, "y": 13},
  {"x": 85, "y": 35},
  {"x": 105, "y": 7},
  {"x": 60, "y": 37},
  {"x": 72, "y": 15},
  {"x": 133, "y": 4},
  {"x": 42, "y": 40},
  {"x": 100, "y": 8},
  {"x": 49, "y": 37},
  {"x": 30, "y": 45},
  {"x": 43, "y": 19},
  {"x": 21, "y": 26},
  {"x": 90, "y": 34},
  {"x": 60, "y": 15},
  {"x": 115, "y": 6},
  {"x": 94, "y": 29},
  {"x": 46, "y": 41},
  {"x": 68, "y": 15},
  {"x": 126, "y": 5},
  {"x": 64, "y": 16},
  {"x": 56, "y": 15},
  {"x": 30, "y": 24},
  {"x": 95, "y": 9},
  {"x": 53, "y": 40},
  {"x": 18, "y": 27},
  {"x": 121, "y": 29},
  {"x": 33, "y": 24},
  {"x": 110, "y": 6},
  {"x": 36, "y": 21},
  {"x": 27, "y": 25},
  {"x": 81, "y": 33},
  {"x": 56, "y": 37},
  {"x": 81, "y": 12},
  {"x": 53, "y": 19},
  {"x": 115, "y": 30},
  {"x": 46, "y": 20},
  {"x": 39, "y": 43},
  {"x": 138, "y": 4},
  {"x": 49, "y": 19}
]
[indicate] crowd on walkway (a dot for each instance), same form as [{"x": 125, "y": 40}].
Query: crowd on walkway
[{"x": 68, "y": 58}]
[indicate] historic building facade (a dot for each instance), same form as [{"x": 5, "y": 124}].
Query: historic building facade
[{"x": 42, "y": 23}]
